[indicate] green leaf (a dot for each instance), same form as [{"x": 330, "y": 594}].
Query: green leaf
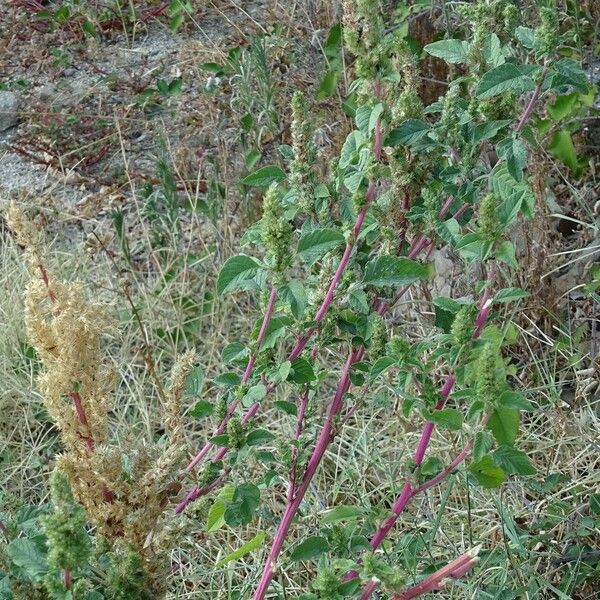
[
  {"x": 253, "y": 544},
  {"x": 349, "y": 152},
  {"x": 381, "y": 364},
  {"x": 445, "y": 312},
  {"x": 253, "y": 156},
  {"x": 514, "y": 152},
  {"x": 447, "y": 418},
  {"x": 265, "y": 176},
  {"x": 526, "y": 36},
  {"x": 595, "y": 503},
  {"x": 452, "y": 51},
  {"x": 88, "y": 27},
  {"x": 62, "y": 14},
  {"x": 221, "y": 441},
  {"x": 517, "y": 197},
  {"x": 506, "y": 253},
  {"x": 212, "y": 67},
  {"x": 316, "y": 243},
  {"x": 431, "y": 467},
  {"x": 255, "y": 394},
  {"x": 563, "y": 106},
  {"x": 230, "y": 379},
  {"x": 375, "y": 115},
  {"x": 286, "y": 406},
  {"x": 482, "y": 445},
  {"x": 333, "y": 43},
  {"x": 341, "y": 513},
  {"x": 358, "y": 301},
  {"x": 294, "y": 293},
  {"x": 234, "y": 352},
  {"x": 310, "y": 548},
  {"x": 487, "y": 474},
  {"x": 259, "y": 437},
  {"x": 472, "y": 247},
  {"x": 201, "y": 409},
  {"x": 175, "y": 22},
  {"x": 284, "y": 370},
  {"x": 516, "y": 401},
  {"x": 569, "y": 74},
  {"x": 493, "y": 51},
  {"x": 513, "y": 461},
  {"x": 561, "y": 147},
  {"x": 245, "y": 500},
  {"x": 194, "y": 381},
  {"x": 302, "y": 371},
  {"x": 411, "y": 131},
  {"x": 328, "y": 84},
  {"x": 504, "y": 78},
  {"x": 510, "y": 294},
  {"x": 488, "y": 130},
  {"x": 395, "y": 271},
  {"x": 354, "y": 181},
  {"x": 216, "y": 513},
  {"x": 322, "y": 191},
  {"x": 504, "y": 424},
  {"x": 27, "y": 555},
  {"x": 275, "y": 331},
  {"x": 238, "y": 272},
  {"x": 175, "y": 87}
]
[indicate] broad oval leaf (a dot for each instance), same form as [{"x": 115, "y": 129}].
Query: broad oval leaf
[
  {"x": 411, "y": 131},
  {"x": 258, "y": 437},
  {"x": 452, "y": 51},
  {"x": 29, "y": 556},
  {"x": 265, "y": 176},
  {"x": 510, "y": 294},
  {"x": 341, "y": 513},
  {"x": 487, "y": 474},
  {"x": 504, "y": 78},
  {"x": 238, "y": 272},
  {"x": 447, "y": 418},
  {"x": 513, "y": 461},
  {"x": 318, "y": 242},
  {"x": 504, "y": 424},
  {"x": 310, "y": 548},
  {"x": 395, "y": 271},
  {"x": 216, "y": 513}
]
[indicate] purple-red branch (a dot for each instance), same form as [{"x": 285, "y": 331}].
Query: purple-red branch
[
  {"x": 247, "y": 373},
  {"x": 532, "y": 102},
  {"x": 408, "y": 491},
  {"x": 301, "y": 342},
  {"x": 456, "y": 568},
  {"x": 293, "y": 504}
]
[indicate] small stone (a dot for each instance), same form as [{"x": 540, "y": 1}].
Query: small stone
[
  {"x": 9, "y": 110},
  {"x": 47, "y": 91}
]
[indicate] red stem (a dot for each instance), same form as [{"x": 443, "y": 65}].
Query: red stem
[
  {"x": 246, "y": 376},
  {"x": 451, "y": 466},
  {"x": 296, "y": 351},
  {"x": 429, "y": 426},
  {"x": 408, "y": 492},
  {"x": 532, "y": 102},
  {"x": 292, "y": 506},
  {"x": 89, "y": 442},
  {"x": 67, "y": 581},
  {"x": 4, "y": 529},
  {"x": 460, "y": 565}
]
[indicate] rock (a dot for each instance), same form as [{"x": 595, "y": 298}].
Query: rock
[
  {"x": 9, "y": 107},
  {"x": 47, "y": 91}
]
